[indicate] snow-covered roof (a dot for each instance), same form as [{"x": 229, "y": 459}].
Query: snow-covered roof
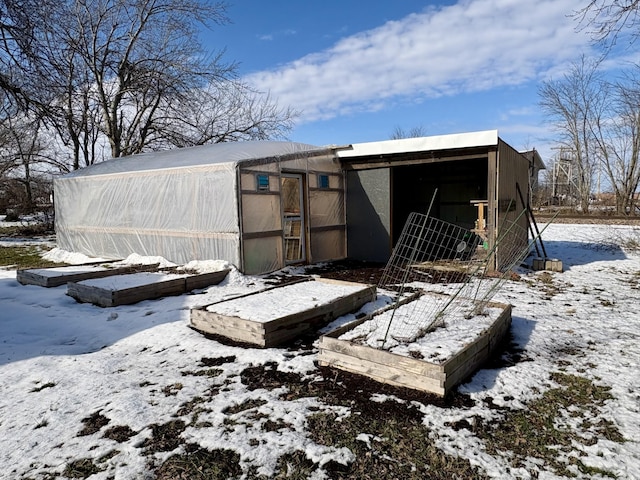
[
  {"x": 421, "y": 144},
  {"x": 218, "y": 153}
]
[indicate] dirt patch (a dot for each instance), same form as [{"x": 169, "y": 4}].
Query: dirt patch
[
  {"x": 119, "y": 433},
  {"x": 267, "y": 376},
  {"x": 388, "y": 446},
  {"x": 93, "y": 423},
  {"x": 552, "y": 427},
  {"x": 198, "y": 463},
  {"x": 246, "y": 405},
  {"x": 165, "y": 437},
  {"x": 82, "y": 468},
  {"x": 350, "y": 271},
  {"x": 337, "y": 387},
  {"x": 217, "y": 361}
]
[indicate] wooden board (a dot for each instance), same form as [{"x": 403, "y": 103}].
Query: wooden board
[
  {"x": 204, "y": 280},
  {"x": 284, "y": 328},
  {"x": 404, "y": 371},
  {"x": 111, "y": 297},
  {"x": 56, "y": 276}
]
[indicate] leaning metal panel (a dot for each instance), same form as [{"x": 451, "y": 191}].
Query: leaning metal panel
[{"x": 456, "y": 263}]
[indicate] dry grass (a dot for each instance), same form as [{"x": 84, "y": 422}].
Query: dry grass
[
  {"x": 560, "y": 419},
  {"x": 24, "y": 257}
]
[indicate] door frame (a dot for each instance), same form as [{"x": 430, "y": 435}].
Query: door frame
[{"x": 302, "y": 217}]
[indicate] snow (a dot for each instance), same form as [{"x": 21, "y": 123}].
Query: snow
[
  {"x": 67, "y": 270},
  {"x": 57, "y": 255},
  {"x": 287, "y": 300},
  {"x": 437, "y": 346},
  {"x": 132, "y": 280},
  {"x": 61, "y": 361}
]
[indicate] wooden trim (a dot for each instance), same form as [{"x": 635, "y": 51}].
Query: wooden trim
[
  {"x": 326, "y": 228},
  {"x": 260, "y": 192},
  {"x": 415, "y": 158},
  {"x": 267, "y": 234},
  {"x": 318, "y": 189}
]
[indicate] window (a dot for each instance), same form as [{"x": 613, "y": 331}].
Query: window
[
  {"x": 323, "y": 180},
  {"x": 262, "y": 182}
]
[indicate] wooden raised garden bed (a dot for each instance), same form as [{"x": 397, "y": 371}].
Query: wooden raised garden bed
[
  {"x": 435, "y": 363},
  {"x": 56, "y": 276},
  {"x": 276, "y": 315},
  {"x": 132, "y": 288}
]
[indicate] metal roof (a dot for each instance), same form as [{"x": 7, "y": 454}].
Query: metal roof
[{"x": 421, "y": 144}]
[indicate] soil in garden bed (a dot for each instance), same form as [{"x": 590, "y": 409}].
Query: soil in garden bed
[{"x": 350, "y": 271}]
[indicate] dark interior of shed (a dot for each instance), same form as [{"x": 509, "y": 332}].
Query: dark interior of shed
[{"x": 457, "y": 183}]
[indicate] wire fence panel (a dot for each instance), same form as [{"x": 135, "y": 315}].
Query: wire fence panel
[{"x": 454, "y": 262}]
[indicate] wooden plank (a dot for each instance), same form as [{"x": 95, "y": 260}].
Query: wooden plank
[
  {"x": 466, "y": 369},
  {"x": 89, "y": 294},
  {"x": 409, "y": 372},
  {"x": 288, "y": 327},
  {"x": 381, "y": 373},
  {"x": 204, "y": 280},
  {"x": 106, "y": 297},
  {"x": 497, "y": 329},
  {"x": 32, "y": 277},
  {"x": 382, "y": 357},
  {"x": 457, "y": 372},
  {"x": 151, "y": 291},
  {"x": 345, "y": 328},
  {"x": 239, "y": 330},
  {"x": 205, "y": 319}
]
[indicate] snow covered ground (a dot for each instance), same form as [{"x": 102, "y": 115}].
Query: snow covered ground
[{"x": 137, "y": 367}]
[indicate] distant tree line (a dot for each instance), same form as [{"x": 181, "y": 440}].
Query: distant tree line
[{"x": 86, "y": 80}]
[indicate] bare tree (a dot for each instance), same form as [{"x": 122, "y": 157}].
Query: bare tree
[
  {"x": 618, "y": 139},
  {"x": 128, "y": 76},
  {"x": 415, "y": 132},
  {"x": 223, "y": 112},
  {"x": 577, "y": 105},
  {"x": 609, "y": 19},
  {"x": 21, "y": 151},
  {"x": 141, "y": 58}
]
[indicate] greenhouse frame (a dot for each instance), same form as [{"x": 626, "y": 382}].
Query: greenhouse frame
[{"x": 258, "y": 205}]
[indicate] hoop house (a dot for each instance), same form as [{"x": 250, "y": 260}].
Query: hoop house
[{"x": 258, "y": 205}]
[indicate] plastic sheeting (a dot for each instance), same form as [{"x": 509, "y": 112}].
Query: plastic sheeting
[{"x": 180, "y": 204}]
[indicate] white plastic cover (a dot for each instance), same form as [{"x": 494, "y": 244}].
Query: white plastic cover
[{"x": 180, "y": 204}]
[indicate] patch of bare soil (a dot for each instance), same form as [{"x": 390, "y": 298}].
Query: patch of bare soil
[
  {"x": 341, "y": 388},
  {"x": 93, "y": 423},
  {"x": 350, "y": 271},
  {"x": 198, "y": 463},
  {"x": 119, "y": 433},
  {"x": 217, "y": 361},
  {"x": 165, "y": 437}
]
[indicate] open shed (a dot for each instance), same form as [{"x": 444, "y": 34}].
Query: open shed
[
  {"x": 477, "y": 179},
  {"x": 257, "y": 205}
]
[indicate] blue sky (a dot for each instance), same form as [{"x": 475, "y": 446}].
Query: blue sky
[{"x": 357, "y": 70}]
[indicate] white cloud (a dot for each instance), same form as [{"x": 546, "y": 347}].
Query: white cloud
[
  {"x": 272, "y": 36},
  {"x": 474, "y": 45}
]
